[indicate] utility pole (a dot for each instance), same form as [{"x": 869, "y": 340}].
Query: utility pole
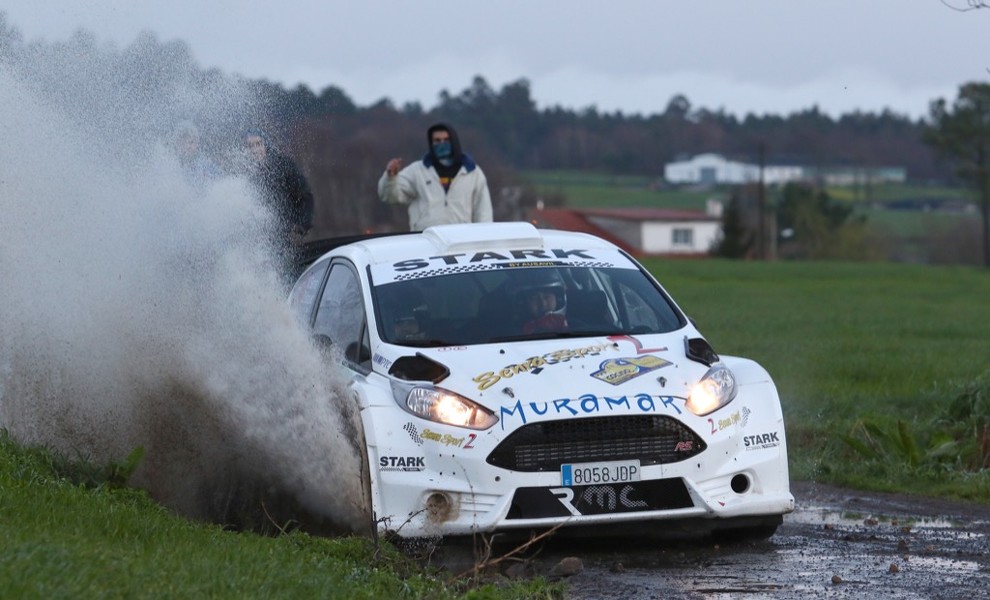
[{"x": 761, "y": 205}]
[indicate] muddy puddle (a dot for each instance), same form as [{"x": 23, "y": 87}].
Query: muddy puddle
[{"x": 837, "y": 544}]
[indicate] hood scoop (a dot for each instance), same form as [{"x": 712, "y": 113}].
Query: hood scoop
[
  {"x": 419, "y": 368},
  {"x": 699, "y": 350}
]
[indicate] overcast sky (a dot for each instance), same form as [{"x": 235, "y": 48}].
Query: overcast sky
[{"x": 762, "y": 56}]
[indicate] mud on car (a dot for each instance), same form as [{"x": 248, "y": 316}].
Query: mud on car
[{"x": 513, "y": 379}]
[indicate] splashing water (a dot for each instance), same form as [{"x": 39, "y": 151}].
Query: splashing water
[{"x": 141, "y": 310}]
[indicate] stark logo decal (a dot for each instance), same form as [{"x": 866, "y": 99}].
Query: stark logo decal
[
  {"x": 762, "y": 440},
  {"x": 401, "y": 463},
  {"x": 462, "y": 258}
]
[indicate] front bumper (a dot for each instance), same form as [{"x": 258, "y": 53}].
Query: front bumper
[{"x": 434, "y": 480}]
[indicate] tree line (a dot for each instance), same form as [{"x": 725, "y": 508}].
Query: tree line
[
  {"x": 511, "y": 128},
  {"x": 343, "y": 147}
]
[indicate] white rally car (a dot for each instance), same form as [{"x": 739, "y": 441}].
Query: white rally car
[{"x": 512, "y": 379}]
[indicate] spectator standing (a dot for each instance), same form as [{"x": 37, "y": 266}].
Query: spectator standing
[
  {"x": 446, "y": 186},
  {"x": 284, "y": 190},
  {"x": 197, "y": 167}
]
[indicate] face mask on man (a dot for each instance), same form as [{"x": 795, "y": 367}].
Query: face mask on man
[{"x": 444, "y": 153}]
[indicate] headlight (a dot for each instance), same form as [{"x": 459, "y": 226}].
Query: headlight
[
  {"x": 449, "y": 408},
  {"x": 716, "y": 389}
]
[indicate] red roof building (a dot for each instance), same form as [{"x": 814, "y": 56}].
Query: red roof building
[{"x": 640, "y": 231}]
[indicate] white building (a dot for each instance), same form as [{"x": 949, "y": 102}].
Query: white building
[
  {"x": 642, "y": 231},
  {"x": 709, "y": 169},
  {"x": 660, "y": 230},
  {"x": 714, "y": 169}
]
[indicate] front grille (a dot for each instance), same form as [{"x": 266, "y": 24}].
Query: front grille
[{"x": 544, "y": 446}]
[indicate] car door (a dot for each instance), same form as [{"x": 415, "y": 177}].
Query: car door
[
  {"x": 340, "y": 316},
  {"x": 302, "y": 297}
]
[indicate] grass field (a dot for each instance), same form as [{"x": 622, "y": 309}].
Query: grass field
[
  {"x": 894, "y": 192},
  {"x": 855, "y": 343},
  {"x": 591, "y": 190},
  {"x": 59, "y": 539},
  {"x": 597, "y": 190}
]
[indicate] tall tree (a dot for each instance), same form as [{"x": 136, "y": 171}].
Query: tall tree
[
  {"x": 962, "y": 132},
  {"x": 737, "y": 237},
  {"x": 814, "y": 226}
]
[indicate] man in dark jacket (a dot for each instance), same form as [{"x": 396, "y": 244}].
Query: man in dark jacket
[{"x": 285, "y": 192}]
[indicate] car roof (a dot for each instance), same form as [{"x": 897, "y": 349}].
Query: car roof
[{"x": 460, "y": 238}]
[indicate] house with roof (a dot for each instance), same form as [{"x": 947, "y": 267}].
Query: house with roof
[
  {"x": 641, "y": 231},
  {"x": 714, "y": 169}
]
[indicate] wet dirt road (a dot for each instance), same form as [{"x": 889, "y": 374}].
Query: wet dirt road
[{"x": 837, "y": 544}]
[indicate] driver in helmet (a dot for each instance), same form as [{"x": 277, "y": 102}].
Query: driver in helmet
[
  {"x": 542, "y": 298},
  {"x": 408, "y": 310}
]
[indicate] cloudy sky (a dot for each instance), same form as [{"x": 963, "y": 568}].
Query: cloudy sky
[{"x": 761, "y": 56}]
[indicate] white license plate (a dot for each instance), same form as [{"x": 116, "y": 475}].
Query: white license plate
[{"x": 615, "y": 471}]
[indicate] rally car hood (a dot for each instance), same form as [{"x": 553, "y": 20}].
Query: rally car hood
[{"x": 500, "y": 375}]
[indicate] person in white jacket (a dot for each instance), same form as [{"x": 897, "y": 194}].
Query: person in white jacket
[{"x": 446, "y": 186}]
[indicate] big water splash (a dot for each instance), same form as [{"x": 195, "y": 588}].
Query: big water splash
[{"x": 139, "y": 308}]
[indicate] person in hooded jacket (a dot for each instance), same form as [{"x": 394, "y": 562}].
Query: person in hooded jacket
[
  {"x": 446, "y": 186},
  {"x": 285, "y": 191}
]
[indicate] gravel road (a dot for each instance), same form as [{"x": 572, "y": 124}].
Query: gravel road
[{"x": 838, "y": 543}]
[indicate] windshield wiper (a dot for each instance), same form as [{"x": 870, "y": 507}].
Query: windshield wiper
[
  {"x": 547, "y": 335},
  {"x": 426, "y": 343}
]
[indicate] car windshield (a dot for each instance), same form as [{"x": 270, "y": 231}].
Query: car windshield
[{"x": 530, "y": 302}]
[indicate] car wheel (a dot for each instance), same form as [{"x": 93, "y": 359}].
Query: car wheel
[{"x": 755, "y": 533}]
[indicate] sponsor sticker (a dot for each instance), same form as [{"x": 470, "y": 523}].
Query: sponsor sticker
[
  {"x": 442, "y": 438},
  {"x": 761, "y": 441},
  {"x": 587, "y": 404},
  {"x": 413, "y": 433},
  {"x": 401, "y": 463},
  {"x": 536, "y": 364},
  {"x": 617, "y": 371}
]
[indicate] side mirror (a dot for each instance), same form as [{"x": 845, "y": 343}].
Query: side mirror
[
  {"x": 323, "y": 342},
  {"x": 357, "y": 353}
]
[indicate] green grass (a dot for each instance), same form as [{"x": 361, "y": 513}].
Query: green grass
[
  {"x": 589, "y": 189},
  {"x": 846, "y": 342},
  {"x": 912, "y": 224},
  {"x": 595, "y": 190},
  {"x": 62, "y": 539},
  {"x": 898, "y": 191},
  {"x": 579, "y": 178},
  {"x": 598, "y": 190}
]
